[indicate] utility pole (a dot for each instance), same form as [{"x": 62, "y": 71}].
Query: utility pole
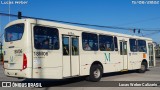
[
  {"x": 1, "y": 51},
  {"x": 0, "y": 34},
  {"x": 0, "y": 25},
  {"x": 9, "y": 12}
]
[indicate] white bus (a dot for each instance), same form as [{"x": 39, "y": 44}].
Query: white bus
[{"x": 49, "y": 50}]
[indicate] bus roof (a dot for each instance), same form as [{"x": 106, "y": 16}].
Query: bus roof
[{"x": 72, "y": 27}]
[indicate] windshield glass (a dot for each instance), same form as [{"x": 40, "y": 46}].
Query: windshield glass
[{"x": 14, "y": 32}]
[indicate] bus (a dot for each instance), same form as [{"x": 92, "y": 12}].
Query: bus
[{"x": 40, "y": 49}]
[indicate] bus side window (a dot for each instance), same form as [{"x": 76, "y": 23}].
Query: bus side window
[
  {"x": 89, "y": 41},
  {"x": 106, "y": 43},
  {"x": 133, "y": 45},
  {"x": 45, "y": 38},
  {"x": 142, "y": 46}
]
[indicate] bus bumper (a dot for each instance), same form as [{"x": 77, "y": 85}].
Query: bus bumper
[{"x": 17, "y": 73}]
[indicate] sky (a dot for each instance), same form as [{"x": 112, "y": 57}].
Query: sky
[{"x": 119, "y": 13}]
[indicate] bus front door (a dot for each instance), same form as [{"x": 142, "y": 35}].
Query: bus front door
[
  {"x": 151, "y": 54},
  {"x": 123, "y": 52},
  {"x": 70, "y": 46}
]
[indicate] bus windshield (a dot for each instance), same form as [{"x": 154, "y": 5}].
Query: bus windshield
[{"x": 14, "y": 32}]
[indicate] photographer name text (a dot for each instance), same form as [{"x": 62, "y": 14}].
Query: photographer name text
[{"x": 13, "y": 2}]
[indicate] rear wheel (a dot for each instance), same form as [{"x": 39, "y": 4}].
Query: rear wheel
[
  {"x": 95, "y": 73},
  {"x": 143, "y": 67}
]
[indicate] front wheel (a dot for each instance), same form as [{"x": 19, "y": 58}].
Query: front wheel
[
  {"x": 143, "y": 67},
  {"x": 95, "y": 73}
]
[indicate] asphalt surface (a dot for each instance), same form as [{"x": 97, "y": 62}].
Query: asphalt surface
[{"x": 153, "y": 74}]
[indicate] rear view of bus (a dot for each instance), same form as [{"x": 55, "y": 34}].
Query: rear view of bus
[{"x": 16, "y": 49}]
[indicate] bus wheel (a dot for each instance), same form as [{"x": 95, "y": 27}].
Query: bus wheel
[
  {"x": 95, "y": 73},
  {"x": 143, "y": 67}
]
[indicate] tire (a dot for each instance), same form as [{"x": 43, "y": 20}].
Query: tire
[
  {"x": 143, "y": 67},
  {"x": 95, "y": 73}
]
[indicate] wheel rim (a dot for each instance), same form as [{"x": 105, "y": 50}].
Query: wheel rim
[
  {"x": 143, "y": 67},
  {"x": 97, "y": 73}
]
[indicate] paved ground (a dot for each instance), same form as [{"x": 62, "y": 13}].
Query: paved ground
[{"x": 153, "y": 74}]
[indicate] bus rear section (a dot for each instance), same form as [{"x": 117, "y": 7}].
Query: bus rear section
[
  {"x": 15, "y": 51},
  {"x": 32, "y": 51}
]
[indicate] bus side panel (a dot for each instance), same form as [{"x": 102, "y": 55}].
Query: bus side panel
[
  {"x": 48, "y": 73},
  {"x": 110, "y": 64},
  {"x": 113, "y": 61},
  {"x": 135, "y": 59},
  {"x": 48, "y": 67},
  {"x": 47, "y": 64}
]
